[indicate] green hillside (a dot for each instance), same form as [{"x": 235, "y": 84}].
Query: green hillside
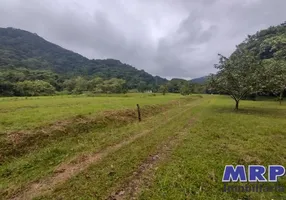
[
  {"x": 22, "y": 53},
  {"x": 200, "y": 80},
  {"x": 268, "y": 43}
]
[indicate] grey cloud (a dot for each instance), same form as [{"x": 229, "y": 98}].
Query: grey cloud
[
  {"x": 170, "y": 38},
  {"x": 192, "y": 29}
]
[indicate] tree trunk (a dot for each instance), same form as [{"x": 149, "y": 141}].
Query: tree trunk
[
  {"x": 236, "y": 104},
  {"x": 255, "y": 98},
  {"x": 281, "y": 97}
]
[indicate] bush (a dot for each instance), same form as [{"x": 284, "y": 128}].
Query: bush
[{"x": 34, "y": 88}]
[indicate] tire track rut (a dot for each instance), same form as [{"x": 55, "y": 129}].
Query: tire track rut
[{"x": 143, "y": 176}]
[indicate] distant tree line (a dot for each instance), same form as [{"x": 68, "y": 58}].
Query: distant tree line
[
  {"x": 24, "y": 82},
  {"x": 21, "y": 81},
  {"x": 27, "y": 82},
  {"x": 182, "y": 86}
]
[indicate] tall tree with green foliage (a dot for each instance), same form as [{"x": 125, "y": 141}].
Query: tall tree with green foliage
[
  {"x": 7, "y": 88},
  {"x": 186, "y": 89},
  {"x": 81, "y": 85},
  {"x": 163, "y": 89},
  {"x": 69, "y": 85},
  {"x": 237, "y": 75},
  {"x": 199, "y": 88},
  {"x": 113, "y": 85},
  {"x": 94, "y": 84},
  {"x": 175, "y": 85}
]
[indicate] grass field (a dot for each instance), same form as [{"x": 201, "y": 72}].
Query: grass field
[
  {"x": 177, "y": 152},
  {"x": 28, "y": 113}
]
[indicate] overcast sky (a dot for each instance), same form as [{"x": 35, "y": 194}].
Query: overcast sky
[{"x": 169, "y": 38}]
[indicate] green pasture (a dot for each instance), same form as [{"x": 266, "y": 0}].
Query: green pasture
[
  {"x": 20, "y": 113},
  {"x": 206, "y": 132}
]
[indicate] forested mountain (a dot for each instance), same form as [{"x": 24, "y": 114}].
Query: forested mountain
[
  {"x": 268, "y": 43},
  {"x": 25, "y": 56},
  {"x": 200, "y": 80}
]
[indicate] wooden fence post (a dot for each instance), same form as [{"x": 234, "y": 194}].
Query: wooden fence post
[{"x": 139, "y": 113}]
